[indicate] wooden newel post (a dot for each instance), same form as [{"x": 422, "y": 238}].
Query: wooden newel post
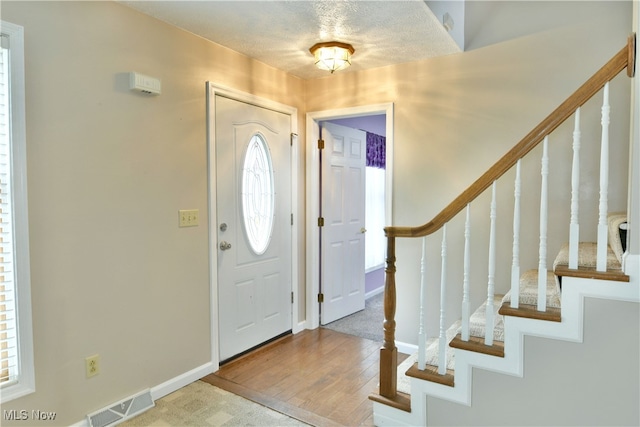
[{"x": 389, "y": 352}]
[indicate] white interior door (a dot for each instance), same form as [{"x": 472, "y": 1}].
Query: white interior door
[
  {"x": 342, "y": 237},
  {"x": 253, "y": 185}
]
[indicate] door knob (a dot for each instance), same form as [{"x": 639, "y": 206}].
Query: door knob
[
  {"x": 363, "y": 230},
  {"x": 225, "y": 245}
]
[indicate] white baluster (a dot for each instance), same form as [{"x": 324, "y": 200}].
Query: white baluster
[
  {"x": 421, "y": 333},
  {"x": 465, "y": 279},
  {"x": 490, "y": 321},
  {"x": 574, "y": 226},
  {"x": 442, "y": 345},
  {"x": 601, "y": 264},
  {"x": 542, "y": 255},
  {"x": 515, "y": 264}
]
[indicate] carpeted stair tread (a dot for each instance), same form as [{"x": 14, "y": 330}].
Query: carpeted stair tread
[
  {"x": 404, "y": 384},
  {"x": 587, "y": 251},
  {"x": 587, "y": 263},
  {"x": 476, "y": 324},
  {"x": 477, "y": 345},
  {"x": 430, "y": 373},
  {"x": 587, "y": 256},
  {"x": 477, "y": 321},
  {"x": 531, "y": 312},
  {"x": 529, "y": 290}
]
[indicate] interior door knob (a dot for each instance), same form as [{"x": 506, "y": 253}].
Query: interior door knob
[
  {"x": 363, "y": 230},
  {"x": 225, "y": 245}
]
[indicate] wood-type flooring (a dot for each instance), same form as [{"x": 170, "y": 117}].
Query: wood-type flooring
[{"x": 320, "y": 377}]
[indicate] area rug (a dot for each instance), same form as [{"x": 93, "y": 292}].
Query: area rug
[
  {"x": 201, "y": 404},
  {"x": 366, "y": 323}
]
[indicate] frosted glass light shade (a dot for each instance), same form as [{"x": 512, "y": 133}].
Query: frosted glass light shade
[{"x": 332, "y": 56}]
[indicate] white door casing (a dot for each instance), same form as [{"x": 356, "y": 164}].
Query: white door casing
[
  {"x": 312, "y": 174},
  {"x": 343, "y": 212},
  {"x": 276, "y": 266}
]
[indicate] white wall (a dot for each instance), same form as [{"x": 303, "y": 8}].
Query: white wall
[{"x": 456, "y": 12}]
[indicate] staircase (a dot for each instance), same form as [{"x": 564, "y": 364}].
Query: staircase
[{"x": 547, "y": 301}]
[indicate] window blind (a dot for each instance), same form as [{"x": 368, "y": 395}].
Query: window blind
[{"x": 8, "y": 336}]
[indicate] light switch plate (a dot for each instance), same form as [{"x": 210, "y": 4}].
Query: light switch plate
[{"x": 188, "y": 217}]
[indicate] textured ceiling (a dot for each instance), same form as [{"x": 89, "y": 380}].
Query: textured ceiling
[{"x": 279, "y": 33}]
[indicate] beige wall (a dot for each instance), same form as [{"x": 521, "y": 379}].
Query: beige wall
[
  {"x": 108, "y": 171},
  {"x": 456, "y": 115}
]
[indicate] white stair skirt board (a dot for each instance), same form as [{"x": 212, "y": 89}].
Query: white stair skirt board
[{"x": 574, "y": 290}]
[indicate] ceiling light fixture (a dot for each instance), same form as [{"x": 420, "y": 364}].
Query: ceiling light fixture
[{"x": 332, "y": 56}]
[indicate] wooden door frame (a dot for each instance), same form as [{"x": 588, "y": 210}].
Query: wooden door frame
[
  {"x": 212, "y": 91},
  {"x": 312, "y": 262}
]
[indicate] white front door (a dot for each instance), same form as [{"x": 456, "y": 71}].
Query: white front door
[
  {"x": 253, "y": 165},
  {"x": 342, "y": 209}
]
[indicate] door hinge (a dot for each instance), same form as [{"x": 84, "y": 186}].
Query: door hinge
[
  {"x": 320, "y": 222},
  {"x": 321, "y": 144},
  {"x": 293, "y": 135},
  {"x": 320, "y": 297},
  {"x": 291, "y": 297}
]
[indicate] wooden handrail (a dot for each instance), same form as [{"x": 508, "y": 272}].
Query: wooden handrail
[
  {"x": 389, "y": 352},
  {"x": 611, "y": 69}
]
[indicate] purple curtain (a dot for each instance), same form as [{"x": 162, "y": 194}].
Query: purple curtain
[{"x": 376, "y": 149}]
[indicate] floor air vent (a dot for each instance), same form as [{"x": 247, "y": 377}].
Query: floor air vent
[{"x": 123, "y": 410}]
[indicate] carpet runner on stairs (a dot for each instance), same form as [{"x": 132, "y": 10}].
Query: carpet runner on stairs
[
  {"x": 476, "y": 328},
  {"x": 529, "y": 290},
  {"x": 587, "y": 255}
]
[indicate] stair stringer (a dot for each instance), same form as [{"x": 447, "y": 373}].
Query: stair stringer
[{"x": 570, "y": 328}]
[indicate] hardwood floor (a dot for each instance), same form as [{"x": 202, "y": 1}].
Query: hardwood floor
[{"x": 320, "y": 377}]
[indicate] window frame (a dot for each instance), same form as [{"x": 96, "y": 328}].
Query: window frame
[
  {"x": 257, "y": 243},
  {"x": 25, "y": 383}
]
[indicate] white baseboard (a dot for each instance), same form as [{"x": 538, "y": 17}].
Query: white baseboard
[
  {"x": 180, "y": 381},
  {"x": 301, "y": 326},
  {"x": 406, "y": 348},
  {"x": 82, "y": 423},
  {"x": 171, "y": 385},
  {"x": 374, "y": 292}
]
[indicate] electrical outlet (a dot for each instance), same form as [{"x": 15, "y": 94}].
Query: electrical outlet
[
  {"x": 188, "y": 217},
  {"x": 92, "y": 365}
]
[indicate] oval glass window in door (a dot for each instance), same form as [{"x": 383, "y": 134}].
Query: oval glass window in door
[{"x": 258, "y": 194}]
